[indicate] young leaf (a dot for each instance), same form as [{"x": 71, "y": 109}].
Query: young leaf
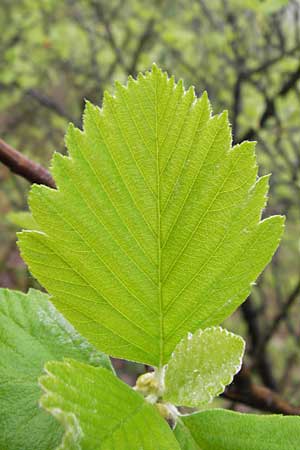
[
  {"x": 99, "y": 411},
  {"x": 218, "y": 429},
  {"x": 202, "y": 365},
  {"x": 154, "y": 230},
  {"x": 31, "y": 333}
]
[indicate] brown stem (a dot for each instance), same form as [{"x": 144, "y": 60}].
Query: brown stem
[
  {"x": 281, "y": 315},
  {"x": 23, "y": 166},
  {"x": 243, "y": 390}
]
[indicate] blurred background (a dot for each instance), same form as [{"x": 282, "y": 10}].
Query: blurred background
[{"x": 246, "y": 53}]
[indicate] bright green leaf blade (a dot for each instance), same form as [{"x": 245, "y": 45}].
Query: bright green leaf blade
[
  {"x": 99, "y": 411},
  {"x": 32, "y": 332},
  {"x": 218, "y": 429},
  {"x": 185, "y": 438},
  {"x": 202, "y": 365},
  {"x": 155, "y": 228}
]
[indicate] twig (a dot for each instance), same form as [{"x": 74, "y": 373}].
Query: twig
[
  {"x": 270, "y": 109},
  {"x": 51, "y": 104},
  {"x": 242, "y": 390},
  {"x": 146, "y": 35},
  {"x": 262, "y": 361},
  {"x": 269, "y": 63},
  {"x": 282, "y": 314},
  {"x": 100, "y": 13},
  {"x": 23, "y": 166}
]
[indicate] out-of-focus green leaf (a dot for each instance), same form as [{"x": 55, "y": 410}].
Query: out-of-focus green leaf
[
  {"x": 264, "y": 6},
  {"x": 23, "y": 219},
  {"x": 32, "y": 332}
]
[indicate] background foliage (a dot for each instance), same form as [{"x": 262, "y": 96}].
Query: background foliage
[{"x": 55, "y": 54}]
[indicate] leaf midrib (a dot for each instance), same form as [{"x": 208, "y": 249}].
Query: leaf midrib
[{"x": 159, "y": 238}]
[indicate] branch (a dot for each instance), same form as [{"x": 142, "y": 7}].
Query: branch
[
  {"x": 262, "y": 361},
  {"x": 100, "y": 13},
  {"x": 282, "y": 314},
  {"x": 237, "y": 104},
  {"x": 51, "y": 104},
  {"x": 270, "y": 108},
  {"x": 21, "y": 165},
  {"x": 242, "y": 390},
  {"x": 208, "y": 14},
  {"x": 269, "y": 63},
  {"x": 146, "y": 35}
]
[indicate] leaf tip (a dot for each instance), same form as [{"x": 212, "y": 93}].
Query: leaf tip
[{"x": 155, "y": 68}]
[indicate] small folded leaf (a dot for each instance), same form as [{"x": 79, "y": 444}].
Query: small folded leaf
[
  {"x": 155, "y": 229},
  {"x": 32, "y": 332},
  {"x": 99, "y": 411},
  {"x": 218, "y": 429},
  {"x": 202, "y": 365}
]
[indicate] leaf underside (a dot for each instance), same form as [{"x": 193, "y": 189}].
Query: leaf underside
[
  {"x": 202, "y": 365},
  {"x": 32, "y": 332},
  {"x": 218, "y": 429},
  {"x": 155, "y": 228},
  {"x": 100, "y": 412}
]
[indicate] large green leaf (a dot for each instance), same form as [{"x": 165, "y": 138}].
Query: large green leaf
[
  {"x": 31, "y": 333},
  {"x": 185, "y": 438},
  {"x": 218, "y": 429},
  {"x": 202, "y": 365},
  {"x": 99, "y": 411},
  {"x": 155, "y": 228}
]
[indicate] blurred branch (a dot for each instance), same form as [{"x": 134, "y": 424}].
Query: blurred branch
[
  {"x": 282, "y": 314},
  {"x": 145, "y": 36},
  {"x": 100, "y": 13},
  {"x": 208, "y": 14},
  {"x": 243, "y": 390},
  {"x": 250, "y": 316},
  {"x": 270, "y": 108},
  {"x": 21, "y": 165},
  {"x": 237, "y": 103},
  {"x": 50, "y": 103},
  {"x": 270, "y": 62}
]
